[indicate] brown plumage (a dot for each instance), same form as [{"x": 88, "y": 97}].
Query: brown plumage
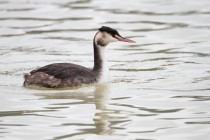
[{"x": 60, "y": 75}]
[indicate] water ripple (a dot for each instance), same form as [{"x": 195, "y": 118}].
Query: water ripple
[{"x": 159, "y": 87}]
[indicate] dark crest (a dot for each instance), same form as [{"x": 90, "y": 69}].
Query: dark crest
[{"x": 109, "y": 30}]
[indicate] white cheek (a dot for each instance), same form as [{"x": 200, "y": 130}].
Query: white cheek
[{"x": 109, "y": 38}]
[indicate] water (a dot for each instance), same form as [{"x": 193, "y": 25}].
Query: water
[{"x": 160, "y": 87}]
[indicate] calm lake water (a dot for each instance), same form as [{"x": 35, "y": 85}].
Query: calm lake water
[{"x": 160, "y": 86}]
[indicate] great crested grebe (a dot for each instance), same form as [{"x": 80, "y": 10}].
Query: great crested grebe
[{"x": 60, "y": 75}]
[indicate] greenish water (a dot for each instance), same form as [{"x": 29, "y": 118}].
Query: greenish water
[{"x": 160, "y": 86}]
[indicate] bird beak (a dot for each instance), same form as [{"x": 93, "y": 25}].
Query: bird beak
[{"x": 120, "y": 38}]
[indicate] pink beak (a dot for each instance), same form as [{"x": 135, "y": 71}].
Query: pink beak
[{"x": 119, "y": 38}]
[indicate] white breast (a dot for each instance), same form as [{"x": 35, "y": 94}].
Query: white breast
[{"x": 104, "y": 75}]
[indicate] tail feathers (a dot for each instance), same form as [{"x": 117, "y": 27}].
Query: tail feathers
[
  {"x": 41, "y": 79},
  {"x": 26, "y": 75}
]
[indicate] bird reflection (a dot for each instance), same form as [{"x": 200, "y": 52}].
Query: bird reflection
[
  {"x": 98, "y": 95},
  {"x": 101, "y": 119}
]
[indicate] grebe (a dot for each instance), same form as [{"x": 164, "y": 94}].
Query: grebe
[{"x": 61, "y": 75}]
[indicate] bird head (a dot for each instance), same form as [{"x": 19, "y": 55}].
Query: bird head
[{"x": 106, "y": 35}]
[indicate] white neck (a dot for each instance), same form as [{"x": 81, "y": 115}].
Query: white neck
[
  {"x": 104, "y": 73},
  {"x": 100, "y": 65}
]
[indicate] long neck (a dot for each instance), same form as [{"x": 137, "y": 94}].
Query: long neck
[
  {"x": 99, "y": 55},
  {"x": 100, "y": 62}
]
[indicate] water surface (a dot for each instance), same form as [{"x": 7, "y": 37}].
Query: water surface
[{"x": 160, "y": 86}]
